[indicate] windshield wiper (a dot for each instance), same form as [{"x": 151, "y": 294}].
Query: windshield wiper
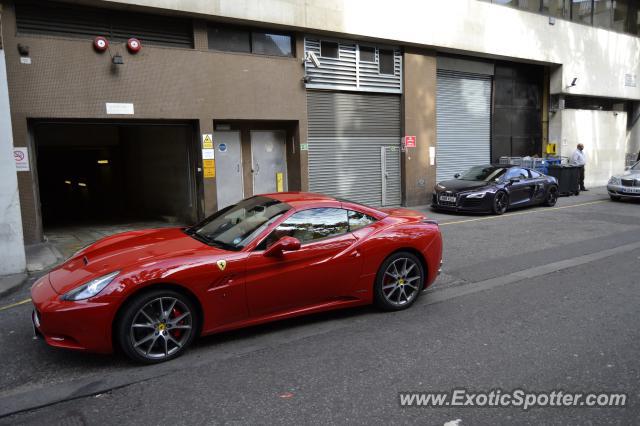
[
  {"x": 210, "y": 241},
  {"x": 223, "y": 245},
  {"x": 198, "y": 237}
]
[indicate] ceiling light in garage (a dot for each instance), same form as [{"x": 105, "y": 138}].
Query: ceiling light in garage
[
  {"x": 82, "y": 184},
  {"x": 103, "y": 161}
]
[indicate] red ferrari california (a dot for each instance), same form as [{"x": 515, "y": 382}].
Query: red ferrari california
[{"x": 152, "y": 292}]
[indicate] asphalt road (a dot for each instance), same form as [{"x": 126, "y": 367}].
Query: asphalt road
[{"x": 540, "y": 299}]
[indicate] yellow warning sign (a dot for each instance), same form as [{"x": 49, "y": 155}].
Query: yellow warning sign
[
  {"x": 551, "y": 148},
  {"x": 207, "y": 141},
  {"x": 279, "y": 182},
  {"x": 208, "y": 163},
  {"x": 210, "y": 171}
]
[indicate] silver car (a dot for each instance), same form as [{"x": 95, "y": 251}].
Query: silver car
[{"x": 626, "y": 185}]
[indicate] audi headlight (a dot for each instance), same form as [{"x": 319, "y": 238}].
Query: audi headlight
[
  {"x": 614, "y": 180},
  {"x": 476, "y": 195},
  {"x": 91, "y": 288}
]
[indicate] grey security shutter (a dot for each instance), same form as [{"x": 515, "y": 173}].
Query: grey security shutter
[
  {"x": 463, "y": 112},
  {"x": 346, "y": 134}
]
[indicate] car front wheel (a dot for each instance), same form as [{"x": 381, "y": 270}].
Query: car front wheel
[
  {"x": 157, "y": 326},
  {"x": 552, "y": 197},
  {"x": 614, "y": 198},
  {"x": 500, "y": 202},
  {"x": 398, "y": 282}
]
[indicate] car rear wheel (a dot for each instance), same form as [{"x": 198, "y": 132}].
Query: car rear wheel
[
  {"x": 552, "y": 197},
  {"x": 398, "y": 282},
  {"x": 500, "y": 202},
  {"x": 157, "y": 326}
]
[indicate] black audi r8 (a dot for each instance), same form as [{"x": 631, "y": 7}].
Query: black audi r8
[{"x": 494, "y": 189}]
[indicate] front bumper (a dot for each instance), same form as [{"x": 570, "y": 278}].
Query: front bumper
[
  {"x": 462, "y": 204},
  {"x": 623, "y": 191},
  {"x": 82, "y": 325}
]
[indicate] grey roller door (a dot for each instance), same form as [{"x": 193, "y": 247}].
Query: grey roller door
[
  {"x": 346, "y": 134},
  {"x": 463, "y": 122}
]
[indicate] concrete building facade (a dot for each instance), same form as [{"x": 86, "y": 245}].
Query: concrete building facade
[
  {"x": 11, "y": 238},
  {"x": 229, "y": 98}
]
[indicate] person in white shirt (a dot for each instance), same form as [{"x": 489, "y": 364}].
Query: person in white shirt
[{"x": 579, "y": 158}]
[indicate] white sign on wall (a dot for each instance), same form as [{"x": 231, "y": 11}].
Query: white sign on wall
[
  {"x": 21, "y": 156},
  {"x": 630, "y": 80},
  {"x": 119, "y": 108},
  {"x": 208, "y": 154}
]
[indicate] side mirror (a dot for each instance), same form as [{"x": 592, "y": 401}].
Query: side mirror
[
  {"x": 627, "y": 168},
  {"x": 457, "y": 175},
  {"x": 283, "y": 244}
]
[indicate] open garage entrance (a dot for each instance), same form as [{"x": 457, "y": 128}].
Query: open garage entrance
[{"x": 112, "y": 173}]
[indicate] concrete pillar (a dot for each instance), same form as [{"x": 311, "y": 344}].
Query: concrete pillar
[
  {"x": 633, "y": 131},
  {"x": 419, "y": 105},
  {"x": 12, "y": 259}
]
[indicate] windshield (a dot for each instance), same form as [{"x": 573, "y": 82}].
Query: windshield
[
  {"x": 234, "y": 227},
  {"x": 483, "y": 173}
]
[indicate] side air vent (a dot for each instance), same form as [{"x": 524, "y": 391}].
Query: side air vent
[{"x": 58, "y": 19}]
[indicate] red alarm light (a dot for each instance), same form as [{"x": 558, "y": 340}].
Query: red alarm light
[
  {"x": 100, "y": 44},
  {"x": 134, "y": 45}
]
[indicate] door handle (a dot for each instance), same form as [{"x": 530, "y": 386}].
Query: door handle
[{"x": 355, "y": 253}]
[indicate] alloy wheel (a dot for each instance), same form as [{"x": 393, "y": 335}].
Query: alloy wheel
[
  {"x": 161, "y": 328},
  {"x": 401, "y": 282},
  {"x": 500, "y": 202}
]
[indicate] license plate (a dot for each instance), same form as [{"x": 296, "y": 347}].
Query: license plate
[
  {"x": 448, "y": 198},
  {"x": 631, "y": 190}
]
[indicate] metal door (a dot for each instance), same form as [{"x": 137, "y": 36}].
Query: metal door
[
  {"x": 230, "y": 186},
  {"x": 268, "y": 159},
  {"x": 463, "y": 111},
  {"x": 390, "y": 166},
  {"x": 346, "y": 133}
]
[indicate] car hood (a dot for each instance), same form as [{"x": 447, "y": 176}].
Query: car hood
[
  {"x": 462, "y": 185},
  {"x": 629, "y": 174},
  {"x": 123, "y": 251}
]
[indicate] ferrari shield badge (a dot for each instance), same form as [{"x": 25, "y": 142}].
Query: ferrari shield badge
[{"x": 222, "y": 264}]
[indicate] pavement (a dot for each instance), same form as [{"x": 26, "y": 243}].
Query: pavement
[
  {"x": 9, "y": 283},
  {"x": 539, "y": 299}
]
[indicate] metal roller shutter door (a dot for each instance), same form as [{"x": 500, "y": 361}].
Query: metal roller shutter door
[
  {"x": 347, "y": 132},
  {"x": 463, "y": 122}
]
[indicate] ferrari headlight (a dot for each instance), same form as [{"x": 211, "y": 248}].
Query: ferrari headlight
[
  {"x": 614, "y": 180},
  {"x": 91, "y": 288},
  {"x": 476, "y": 195}
]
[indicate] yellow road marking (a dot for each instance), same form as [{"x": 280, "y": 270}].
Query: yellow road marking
[
  {"x": 522, "y": 213},
  {"x": 13, "y": 305}
]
